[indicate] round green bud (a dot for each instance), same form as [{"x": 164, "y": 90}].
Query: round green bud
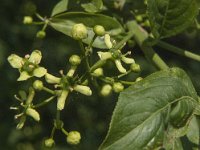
[
  {"x": 99, "y": 30},
  {"x": 49, "y": 142},
  {"x": 38, "y": 85},
  {"x": 98, "y": 72},
  {"x": 135, "y": 67},
  {"x": 75, "y": 60},
  {"x": 106, "y": 90},
  {"x": 138, "y": 79},
  {"x": 73, "y": 138},
  {"x": 79, "y": 31},
  {"x": 41, "y": 34},
  {"x": 27, "y": 20},
  {"x": 83, "y": 89},
  {"x": 118, "y": 87},
  {"x": 139, "y": 18}
]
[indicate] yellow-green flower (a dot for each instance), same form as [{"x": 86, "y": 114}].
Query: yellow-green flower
[{"x": 28, "y": 66}]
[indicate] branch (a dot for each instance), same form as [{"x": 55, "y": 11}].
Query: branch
[
  {"x": 140, "y": 36},
  {"x": 179, "y": 51}
]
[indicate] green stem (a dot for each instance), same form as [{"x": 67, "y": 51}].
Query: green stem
[
  {"x": 30, "y": 96},
  {"x": 92, "y": 41},
  {"x": 124, "y": 40},
  {"x": 122, "y": 75},
  {"x": 39, "y": 16},
  {"x": 57, "y": 115},
  {"x": 52, "y": 132},
  {"x": 107, "y": 80},
  {"x": 127, "y": 82},
  {"x": 38, "y": 23},
  {"x": 98, "y": 64},
  {"x": 140, "y": 36},
  {"x": 179, "y": 51},
  {"x": 44, "y": 102},
  {"x": 49, "y": 90},
  {"x": 85, "y": 55},
  {"x": 64, "y": 131},
  {"x": 152, "y": 56}
]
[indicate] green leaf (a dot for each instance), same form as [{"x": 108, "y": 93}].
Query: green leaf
[
  {"x": 143, "y": 109},
  {"x": 93, "y": 7},
  {"x": 170, "y": 17},
  {"x": 64, "y": 23},
  {"x": 172, "y": 137},
  {"x": 60, "y": 7},
  {"x": 193, "y": 133}
]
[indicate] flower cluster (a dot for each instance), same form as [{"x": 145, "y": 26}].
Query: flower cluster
[{"x": 70, "y": 81}]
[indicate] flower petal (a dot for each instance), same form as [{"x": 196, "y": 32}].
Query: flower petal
[
  {"x": 104, "y": 55},
  {"x": 15, "y": 61},
  {"x": 23, "y": 76},
  {"x": 35, "y": 57},
  {"x": 39, "y": 72}
]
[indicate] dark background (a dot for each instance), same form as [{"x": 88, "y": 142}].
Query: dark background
[{"x": 91, "y": 115}]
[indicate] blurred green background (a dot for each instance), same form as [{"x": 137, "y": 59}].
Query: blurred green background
[{"x": 91, "y": 115}]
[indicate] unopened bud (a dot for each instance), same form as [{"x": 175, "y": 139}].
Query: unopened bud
[
  {"x": 49, "y": 142},
  {"x": 33, "y": 113},
  {"x": 106, "y": 90},
  {"x": 98, "y": 72},
  {"x": 71, "y": 71},
  {"x": 108, "y": 41},
  {"x": 99, "y": 30},
  {"x": 52, "y": 79},
  {"x": 27, "y": 20},
  {"x": 79, "y": 31},
  {"x": 61, "y": 100},
  {"x": 38, "y": 85},
  {"x": 135, "y": 67},
  {"x": 128, "y": 60},
  {"x": 73, "y": 138},
  {"x": 118, "y": 87},
  {"x": 75, "y": 60},
  {"x": 83, "y": 90},
  {"x": 119, "y": 66},
  {"x": 138, "y": 79},
  {"x": 41, "y": 34}
]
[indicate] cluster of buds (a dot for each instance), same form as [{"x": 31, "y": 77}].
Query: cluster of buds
[
  {"x": 72, "y": 138},
  {"x": 66, "y": 85},
  {"x": 28, "y": 20}
]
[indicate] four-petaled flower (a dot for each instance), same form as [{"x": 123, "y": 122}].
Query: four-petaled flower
[{"x": 28, "y": 66}]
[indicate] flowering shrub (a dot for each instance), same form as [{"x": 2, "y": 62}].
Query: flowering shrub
[{"x": 152, "y": 112}]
